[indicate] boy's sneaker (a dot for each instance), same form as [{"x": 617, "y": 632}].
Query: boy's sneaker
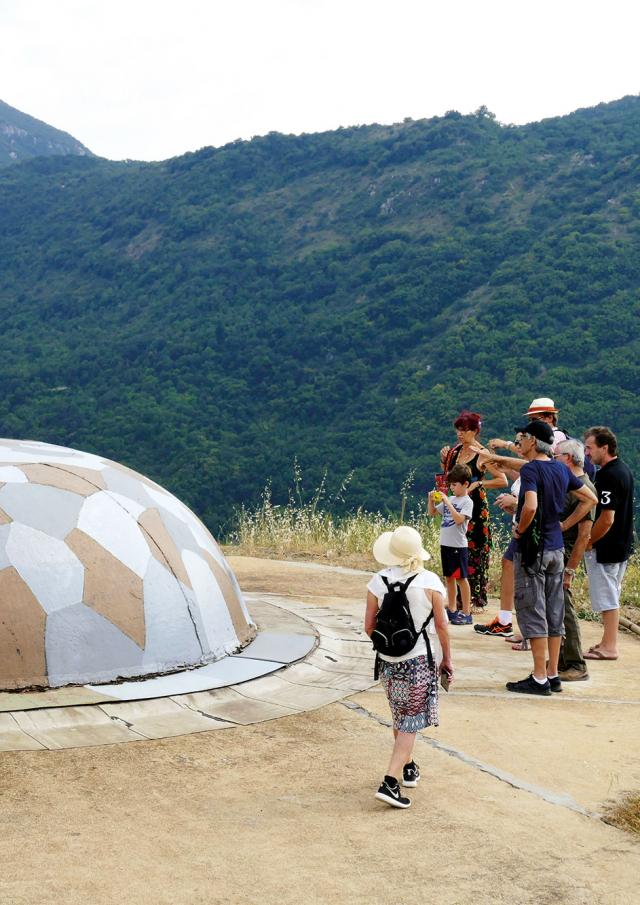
[
  {"x": 495, "y": 627},
  {"x": 555, "y": 684},
  {"x": 451, "y": 614},
  {"x": 530, "y": 686},
  {"x": 410, "y": 774},
  {"x": 389, "y": 792},
  {"x": 459, "y": 618}
]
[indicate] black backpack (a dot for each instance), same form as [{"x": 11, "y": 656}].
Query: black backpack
[{"x": 395, "y": 633}]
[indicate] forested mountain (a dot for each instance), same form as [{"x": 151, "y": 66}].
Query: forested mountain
[
  {"x": 336, "y": 297},
  {"x": 23, "y": 137}
]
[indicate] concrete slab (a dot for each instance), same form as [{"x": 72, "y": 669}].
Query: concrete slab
[
  {"x": 347, "y": 648},
  {"x": 271, "y": 618},
  {"x": 54, "y": 697},
  {"x": 279, "y": 647},
  {"x": 276, "y": 690},
  {"x": 310, "y": 674},
  {"x": 14, "y": 738},
  {"x": 229, "y": 671},
  {"x": 333, "y": 662},
  {"x": 163, "y": 718},
  {"x": 228, "y": 704},
  {"x": 73, "y": 727}
]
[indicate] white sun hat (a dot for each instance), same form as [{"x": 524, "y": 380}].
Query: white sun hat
[
  {"x": 394, "y": 548},
  {"x": 542, "y": 406}
]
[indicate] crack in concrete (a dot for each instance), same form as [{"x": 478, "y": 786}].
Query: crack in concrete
[
  {"x": 130, "y": 726},
  {"x": 565, "y": 801},
  {"x": 28, "y": 734}
]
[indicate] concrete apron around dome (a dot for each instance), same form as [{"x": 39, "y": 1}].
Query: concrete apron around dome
[
  {"x": 105, "y": 575},
  {"x": 333, "y": 659}
]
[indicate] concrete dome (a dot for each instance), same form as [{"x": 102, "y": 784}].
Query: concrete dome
[{"x": 104, "y": 574}]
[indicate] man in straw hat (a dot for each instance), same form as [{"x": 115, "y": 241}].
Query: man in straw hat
[
  {"x": 410, "y": 681},
  {"x": 541, "y": 409}
]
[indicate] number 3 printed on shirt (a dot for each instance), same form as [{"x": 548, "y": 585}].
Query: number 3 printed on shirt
[{"x": 605, "y": 498}]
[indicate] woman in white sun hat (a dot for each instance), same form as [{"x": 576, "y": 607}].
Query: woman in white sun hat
[{"x": 410, "y": 681}]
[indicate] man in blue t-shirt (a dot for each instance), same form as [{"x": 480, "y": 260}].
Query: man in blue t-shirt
[{"x": 539, "y": 560}]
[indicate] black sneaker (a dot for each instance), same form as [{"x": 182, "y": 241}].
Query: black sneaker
[
  {"x": 555, "y": 684},
  {"x": 411, "y": 774},
  {"x": 530, "y": 686},
  {"x": 389, "y": 791}
]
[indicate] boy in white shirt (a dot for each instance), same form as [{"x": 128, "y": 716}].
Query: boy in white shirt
[{"x": 456, "y": 511}]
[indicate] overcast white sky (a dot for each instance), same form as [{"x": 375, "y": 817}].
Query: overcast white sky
[{"x": 151, "y": 79}]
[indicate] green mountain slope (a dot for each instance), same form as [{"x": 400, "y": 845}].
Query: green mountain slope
[
  {"x": 336, "y": 297},
  {"x": 23, "y": 137}
]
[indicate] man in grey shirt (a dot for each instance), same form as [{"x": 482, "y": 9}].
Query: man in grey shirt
[{"x": 572, "y": 666}]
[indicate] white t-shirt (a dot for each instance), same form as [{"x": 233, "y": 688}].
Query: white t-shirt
[
  {"x": 452, "y": 535},
  {"x": 558, "y": 437},
  {"x": 515, "y": 490},
  {"x": 418, "y": 604}
]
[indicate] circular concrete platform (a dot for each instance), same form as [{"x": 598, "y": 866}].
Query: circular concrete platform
[{"x": 304, "y": 656}]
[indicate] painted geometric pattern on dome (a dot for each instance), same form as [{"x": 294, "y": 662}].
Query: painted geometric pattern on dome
[{"x": 104, "y": 574}]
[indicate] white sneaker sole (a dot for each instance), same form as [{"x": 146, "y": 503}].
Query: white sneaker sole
[
  {"x": 411, "y": 784},
  {"x": 392, "y": 801}
]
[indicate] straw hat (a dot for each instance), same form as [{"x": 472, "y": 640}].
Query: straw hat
[
  {"x": 542, "y": 406},
  {"x": 394, "y": 548}
]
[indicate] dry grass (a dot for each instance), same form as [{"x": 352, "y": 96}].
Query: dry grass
[
  {"x": 626, "y": 814},
  {"x": 629, "y": 600}
]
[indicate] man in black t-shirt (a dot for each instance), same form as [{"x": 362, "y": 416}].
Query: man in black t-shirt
[{"x": 611, "y": 541}]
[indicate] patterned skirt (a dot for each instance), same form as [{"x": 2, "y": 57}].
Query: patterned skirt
[{"x": 412, "y": 691}]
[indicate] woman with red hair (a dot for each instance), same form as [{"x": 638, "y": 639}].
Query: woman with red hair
[{"x": 465, "y": 452}]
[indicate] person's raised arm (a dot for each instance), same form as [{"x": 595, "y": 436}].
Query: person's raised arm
[
  {"x": 588, "y": 500},
  {"x": 458, "y": 517}
]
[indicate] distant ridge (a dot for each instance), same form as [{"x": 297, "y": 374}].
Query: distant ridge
[
  {"x": 23, "y": 137},
  {"x": 332, "y": 300}
]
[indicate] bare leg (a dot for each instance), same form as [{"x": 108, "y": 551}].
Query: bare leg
[
  {"x": 609, "y": 643},
  {"x": 451, "y": 594},
  {"x": 506, "y": 585},
  {"x": 465, "y": 595},
  {"x": 554, "y": 653},
  {"x": 539, "y": 652},
  {"x": 402, "y": 753}
]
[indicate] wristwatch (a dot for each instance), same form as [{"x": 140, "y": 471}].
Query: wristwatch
[{"x": 570, "y": 571}]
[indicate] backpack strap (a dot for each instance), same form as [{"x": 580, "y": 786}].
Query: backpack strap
[
  {"x": 404, "y": 584},
  {"x": 425, "y": 635}
]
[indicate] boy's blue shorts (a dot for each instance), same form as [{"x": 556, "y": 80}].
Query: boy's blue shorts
[{"x": 455, "y": 562}]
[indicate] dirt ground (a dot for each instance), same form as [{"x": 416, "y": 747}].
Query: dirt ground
[{"x": 283, "y": 811}]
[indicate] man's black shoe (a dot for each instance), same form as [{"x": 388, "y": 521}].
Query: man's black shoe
[
  {"x": 555, "y": 684},
  {"x": 530, "y": 686},
  {"x": 389, "y": 792}
]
